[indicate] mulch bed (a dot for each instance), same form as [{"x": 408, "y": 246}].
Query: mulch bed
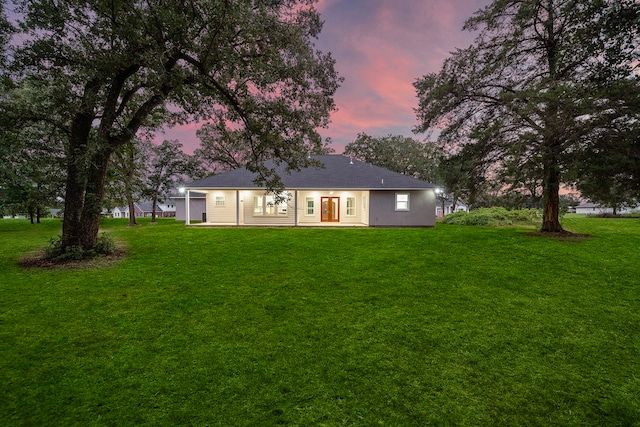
[{"x": 40, "y": 262}]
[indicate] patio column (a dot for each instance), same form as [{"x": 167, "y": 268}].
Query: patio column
[
  {"x": 295, "y": 208},
  {"x": 186, "y": 209},
  {"x": 237, "y": 207}
]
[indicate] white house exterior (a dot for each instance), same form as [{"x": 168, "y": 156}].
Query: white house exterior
[
  {"x": 144, "y": 208},
  {"x": 449, "y": 209},
  {"x": 119, "y": 212},
  {"x": 594, "y": 209},
  {"x": 344, "y": 192}
]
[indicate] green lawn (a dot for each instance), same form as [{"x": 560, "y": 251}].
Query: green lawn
[{"x": 325, "y": 327}]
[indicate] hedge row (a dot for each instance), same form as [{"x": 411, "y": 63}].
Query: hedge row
[{"x": 494, "y": 217}]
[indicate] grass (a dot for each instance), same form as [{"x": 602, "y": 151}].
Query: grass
[{"x": 327, "y": 327}]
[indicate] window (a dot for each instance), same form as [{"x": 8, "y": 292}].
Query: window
[
  {"x": 310, "y": 210},
  {"x": 258, "y": 205},
  {"x": 266, "y": 205},
  {"x": 270, "y": 205},
  {"x": 219, "y": 200},
  {"x": 351, "y": 206},
  {"x": 402, "y": 201}
]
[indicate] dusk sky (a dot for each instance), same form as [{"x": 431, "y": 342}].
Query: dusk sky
[{"x": 381, "y": 47}]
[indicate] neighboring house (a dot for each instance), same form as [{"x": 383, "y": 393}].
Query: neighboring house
[
  {"x": 344, "y": 192},
  {"x": 594, "y": 209},
  {"x": 197, "y": 206},
  {"x": 118, "y": 212},
  {"x": 168, "y": 208},
  {"x": 144, "y": 208},
  {"x": 448, "y": 207}
]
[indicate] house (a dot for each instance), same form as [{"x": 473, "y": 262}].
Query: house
[
  {"x": 118, "y": 212},
  {"x": 460, "y": 206},
  {"x": 144, "y": 208},
  {"x": 345, "y": 192},
  {"x": 594, "y": 209}
]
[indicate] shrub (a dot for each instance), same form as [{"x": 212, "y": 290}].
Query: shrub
[
  {"x": 56, "y": 252},
  {"x": 494, "y": 217}
]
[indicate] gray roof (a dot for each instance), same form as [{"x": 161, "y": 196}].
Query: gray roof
[
  {"x": 339, "y": 172},
  {"x": 147, "y": 206}
]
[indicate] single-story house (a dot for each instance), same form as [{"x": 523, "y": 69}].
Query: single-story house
[
  {"x": 144, "y": 208},
  {"x": 595, "y": 209},
  {"x": 345, "y": 192}
]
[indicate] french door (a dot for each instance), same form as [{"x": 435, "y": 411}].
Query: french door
[{"x": 330, "y": 209}]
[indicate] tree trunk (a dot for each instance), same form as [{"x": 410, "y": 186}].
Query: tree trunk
[
  {"x": 551, "y": 199},
  {"x": 76, "y": 180},
  {"x": 94, "y": 195},
  {"x": 128, "y": 161},
  {"x": 153, "y": 209},
  {"x": 132, "y": 210}
]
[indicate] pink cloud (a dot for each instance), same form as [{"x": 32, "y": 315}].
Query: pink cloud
[
  {"x": 384, "y": 50},
  {"x": 381, "y": 47}
]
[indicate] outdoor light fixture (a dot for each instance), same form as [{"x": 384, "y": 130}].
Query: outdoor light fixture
[{"x": 181, "y": 190}]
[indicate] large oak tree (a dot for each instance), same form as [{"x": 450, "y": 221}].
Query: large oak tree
[
  {"x": 543, "y": 79},
  {"x": 116, "y": 67}
]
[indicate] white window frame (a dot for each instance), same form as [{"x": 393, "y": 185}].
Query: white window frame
[
  {"x": 219, "y": 201},
  {"x": 310, "y": 206},
  {"x": 403, "y": 205},
  {"x": 258, "y": 205},
  {"x": 350, "y": 206},
  {"x": 265, "y": 205}
]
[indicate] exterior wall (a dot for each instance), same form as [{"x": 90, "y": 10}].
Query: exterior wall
[
  {"x": 221, "y": 214},
  {"x": 197, "y": 206},
  {"x": 421, "y": 213},
  {"x": 249, "y": 217},
  {"x": 360, "y": 215}
]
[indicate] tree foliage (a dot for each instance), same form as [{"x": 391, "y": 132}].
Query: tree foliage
[
  {"x": 31, "y": 154},
  {"x": 113, "y": 69},
  {"x": 614, "y": 179},
  {"x": 223, "y": 149},
  {"x": 126, "y": 176},
  {"x": 398, "y": 153},
  {"x": 541, "y": 81},
  {"x": 166, "y": 165}
]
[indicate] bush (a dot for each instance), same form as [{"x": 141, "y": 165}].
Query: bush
[
  {"x": 56, "y": 252},
  {"x": 494, "y": 217}
]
